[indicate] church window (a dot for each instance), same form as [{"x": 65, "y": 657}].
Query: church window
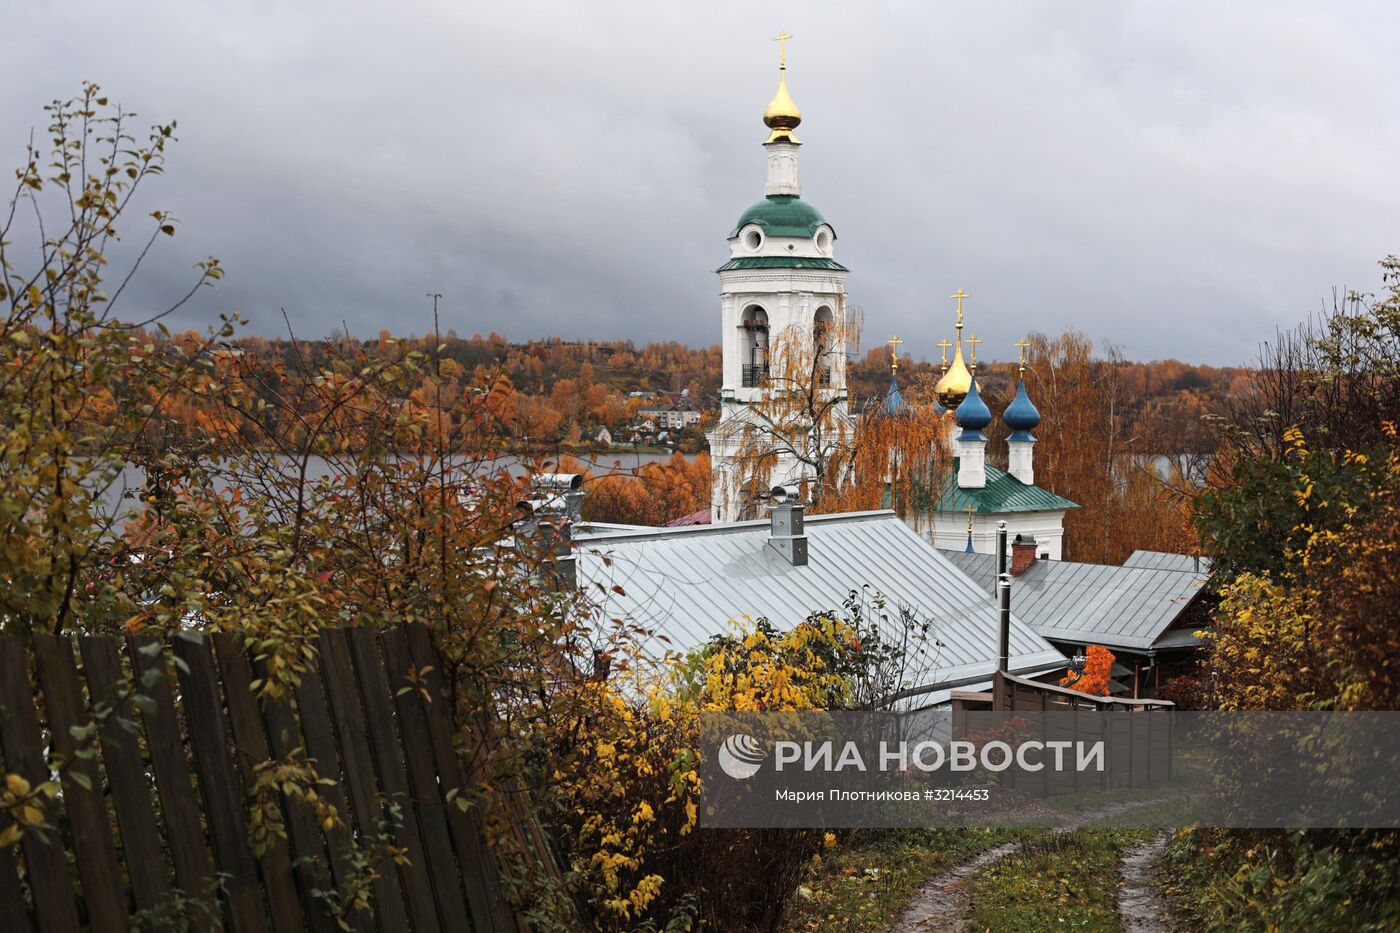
[
  {"x": 754, "y": 340},
  {"x": 823, "y": 343}
]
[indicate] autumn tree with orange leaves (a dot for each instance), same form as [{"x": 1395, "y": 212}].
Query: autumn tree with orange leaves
[
  {"x": 1098, "y": 671},
  {"x": 1091, "y": 449}
]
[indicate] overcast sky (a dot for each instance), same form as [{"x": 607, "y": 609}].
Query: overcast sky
[{"x": 1174, "y": 178}]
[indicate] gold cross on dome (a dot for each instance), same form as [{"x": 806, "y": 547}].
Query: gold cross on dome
[
  {"x": 960, "y": 295},
  {"x": 781, "y": 38},
  {"x": 1022, "y": 344},
  {"x": 894, "y": 343},
  {"x": 945, "y": 344},
  {"x": 972, "y": 343},
  {"x": 969, "y": 521}
]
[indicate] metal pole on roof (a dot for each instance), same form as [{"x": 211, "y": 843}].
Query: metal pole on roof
[
  {"x": 1001, "y": 548},
  {"x": 1004, "y": 602}
]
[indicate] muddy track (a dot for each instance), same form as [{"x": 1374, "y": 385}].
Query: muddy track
[
  {"x": 941, "y": 905},
  {"x": 1141, "y": 906}
]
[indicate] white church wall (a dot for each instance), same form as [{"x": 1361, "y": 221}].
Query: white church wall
[{"x": 948, "y": 531}]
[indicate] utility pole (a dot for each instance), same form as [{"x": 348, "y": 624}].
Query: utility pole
[{"x": 437, "y": 334}]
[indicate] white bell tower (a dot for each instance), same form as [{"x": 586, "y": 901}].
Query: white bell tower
[{"x": 781, "y": 289}]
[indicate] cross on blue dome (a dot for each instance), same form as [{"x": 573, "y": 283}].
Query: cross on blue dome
[{"x": 894, "y": 401}]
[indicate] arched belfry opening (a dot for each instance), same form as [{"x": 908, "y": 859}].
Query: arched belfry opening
[
  {"x": 754, "y": 324},
  {"x": 824, "y": 339}
]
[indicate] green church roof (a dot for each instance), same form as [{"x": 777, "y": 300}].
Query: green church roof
[
  {"x": 1003, "y": 493},
  {"x": 782, "y": 262},
  {"x": 782, "y": 215}
]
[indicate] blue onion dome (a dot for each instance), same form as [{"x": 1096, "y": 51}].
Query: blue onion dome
[
  {"x": 1021, "y": 416},
  {"x": 894, "y": 402},
  {"x": 973, "y": 414}
]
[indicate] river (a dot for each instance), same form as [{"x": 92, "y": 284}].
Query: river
[{"x": 132, "y": 478}]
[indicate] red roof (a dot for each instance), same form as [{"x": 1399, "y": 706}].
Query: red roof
[{"x": 701, "y": 517}]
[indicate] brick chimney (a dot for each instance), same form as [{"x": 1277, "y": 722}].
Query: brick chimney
[{"x": 1022, "y": 554}]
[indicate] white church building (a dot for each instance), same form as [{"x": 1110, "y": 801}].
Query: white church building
[{"x": 783, "y": 286}]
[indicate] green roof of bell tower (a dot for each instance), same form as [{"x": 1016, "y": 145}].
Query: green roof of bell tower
[{"x": 782, "y": 215}]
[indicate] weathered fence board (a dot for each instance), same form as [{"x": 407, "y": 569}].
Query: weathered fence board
[
  {"x": 13, "y": 916},
  {"x": 284, "y": 744},
  {"x": 222, "y": 799},
  {"x": 478, "y": 862},
  {"x": 422, "y": 778},
  {"x": 250, "y": 748},
  {"x": 178, "y": 744},
  {"x": 49, "y": 882},
  {"x": 359, "y": 769},
  {"x": 388, "y": 764},
  {"x": 126, "y": 773},
  {"x": 87, "y": 814},
  {"x": 193, "y": 873},
  {"x": 320, "y": 750}
]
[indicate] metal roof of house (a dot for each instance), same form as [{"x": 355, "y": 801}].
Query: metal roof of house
[
  {"x": 1100, "y": 604},
  {"x": 1161, "y": 560},
  {"x": 698, "y": 517},
  {"x": 687, "y": 584}
]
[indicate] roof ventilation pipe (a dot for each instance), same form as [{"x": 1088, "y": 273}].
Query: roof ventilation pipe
[
  {"x": 1004, "y": 603},
  {"x": 786, "y": 531}
]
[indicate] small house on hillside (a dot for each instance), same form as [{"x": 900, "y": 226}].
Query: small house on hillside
[
  {"x": 1146, "y": 615},
  {"x": 676, "y": 414}
]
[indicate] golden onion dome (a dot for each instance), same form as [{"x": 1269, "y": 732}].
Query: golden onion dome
[
  {"x": 782, "y": 115},
  {"x": 953, "y": 387}
]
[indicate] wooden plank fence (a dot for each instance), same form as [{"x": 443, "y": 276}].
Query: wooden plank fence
[
  {"x": 152, "y": 817},
  {"x": 1139, "y": 746}
]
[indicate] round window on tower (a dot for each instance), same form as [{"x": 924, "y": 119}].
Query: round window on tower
[
  {"x": 824, "y": 241},
  {"x": 753, "y": 239}
]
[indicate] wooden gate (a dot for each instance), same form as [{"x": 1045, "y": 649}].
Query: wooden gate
[{"x": 157, "y": 746}]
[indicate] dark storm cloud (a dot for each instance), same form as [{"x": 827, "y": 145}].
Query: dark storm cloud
[{"x": 1176, "y": 179}]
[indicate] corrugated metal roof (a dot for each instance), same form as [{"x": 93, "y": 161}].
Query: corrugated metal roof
[
  {"x": 686, "y": 584},
  {"x": 1102, "y": 604},
  {"x": 782, "y": 262},
  {"x": 699, "y": 517},
  {"x": 1161, "y": 560},
  {"x": 1179, "y": 638},
  {"x": 1003, "y": 493}
]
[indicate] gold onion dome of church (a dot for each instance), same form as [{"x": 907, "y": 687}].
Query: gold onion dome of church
[
  {"x": 782, "y": 115},
  {"x": 954, "y": 385},
  {"x": 956, "y": 381}
]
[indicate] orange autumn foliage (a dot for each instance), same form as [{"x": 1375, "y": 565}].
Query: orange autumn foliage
[
  {"x": 1097, "y": 671},
  {"x": 652, "y": 494}
]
